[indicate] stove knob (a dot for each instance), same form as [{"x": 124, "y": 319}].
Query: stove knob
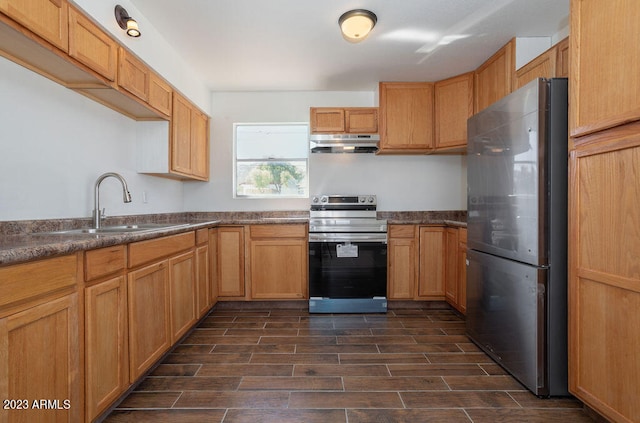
[
  {"x": 370, "y": 200},
  {"x": 315, "y": 200},
  {"x": 361, "y": 199},
  {"x": 324, "y": 199}
]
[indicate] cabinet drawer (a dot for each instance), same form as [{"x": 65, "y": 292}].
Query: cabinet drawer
[
  {"x": 402, "y": 231},
  {"x": 153, "y": 249},
  {"x": 202, "y": 236},
  {"x": 21, "y": 282},
  {"x": 278, "y": 231},
  {"x": 104, "y": 261}
]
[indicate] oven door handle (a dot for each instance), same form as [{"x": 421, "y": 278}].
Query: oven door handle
[{"x": 339, "y": 237}]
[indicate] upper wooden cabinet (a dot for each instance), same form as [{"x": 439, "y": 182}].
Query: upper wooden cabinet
[
  {"x": 406, "y": 117},
  {"x": 333, "y": 120},
  {"x": 133, "y": 75},
  {"x": 494, "y": 78},
  {"x": 189, "y": 154},
  {"x": 543, "y": 66},
  {"x": 47, "y": 18},
  {"x": 562, "y": 58},
  {"x": 453, "y": 106},
  {"x": 603, "y": 96},
  {"x": 160, "y": 94},
  {"x": 91, "y": 45}
]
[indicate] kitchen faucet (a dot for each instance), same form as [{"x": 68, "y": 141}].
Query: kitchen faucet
[{"x": 97, "y": 214}]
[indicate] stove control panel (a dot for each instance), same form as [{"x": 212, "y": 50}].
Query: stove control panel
[{"x": 344, "y": 200}]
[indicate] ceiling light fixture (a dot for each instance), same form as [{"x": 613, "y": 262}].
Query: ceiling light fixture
[
  {"x": 126, "y": 22},
  {"x": 356, "y": 24}
]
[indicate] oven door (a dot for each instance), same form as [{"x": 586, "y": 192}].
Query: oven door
[{"x": 348, "y": 265}]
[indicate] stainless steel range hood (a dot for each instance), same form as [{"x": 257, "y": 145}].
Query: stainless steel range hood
[{"x": 344, "y": 143}]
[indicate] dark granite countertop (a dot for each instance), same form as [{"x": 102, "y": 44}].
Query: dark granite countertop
[{"x": 22, "y": 241}]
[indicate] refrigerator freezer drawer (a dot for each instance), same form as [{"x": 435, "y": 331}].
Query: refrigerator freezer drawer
[{"x": 506, "y": 309}]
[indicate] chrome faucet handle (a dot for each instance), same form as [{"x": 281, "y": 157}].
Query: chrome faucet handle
[{"x": 103, "y": 214}]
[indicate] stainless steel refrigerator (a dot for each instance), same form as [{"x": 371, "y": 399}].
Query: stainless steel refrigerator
[{"x": 517, "y": 234}]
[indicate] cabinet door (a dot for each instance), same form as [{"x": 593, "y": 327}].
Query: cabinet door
[
  {"x": 40, "y": 360},
  {"x": 604, "y": 83},
  {"x": 453, "y": 106},
  {"x": 431, "y": 273},
  {"x": 149, "y": 317},
  {"x": 604, "y": 273},
  {"x": 203, "y": 283},
  {"x": 106, "y": 374},
  {"x": 406, "y": 117},
  {"x": 230, "y": 261},
  {"x": 562, "y": 58},
  {"x": 160, "y": 94},
  {"x": 361, "y": 120},
  {"x": 451, "y": 266},
  {"x": 181, "y": 135},
  {"x": 213, "y": 266},
  {"x": 494, "y": 78},
  {"x": 47, "y": 18},
  {"x": 278, "y": 268},
  {"x": 133, "y": 75},
  {"x": 325, "y": 119},
  {"x": 402, "y": 254},
  {"x": 92, "y": 46},
  {"x": 182, "y": 282},
  {"x": 462, "y": 270},
  {"x": 199, "y": 145},
  {"x": 543, "y": 66}
]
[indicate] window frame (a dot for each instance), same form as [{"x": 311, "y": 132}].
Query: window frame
[{"x": 273, "y": 160}]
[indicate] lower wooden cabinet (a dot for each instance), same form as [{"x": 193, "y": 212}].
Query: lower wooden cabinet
[
  {"x": 451, "y": 265},
  {"x": 182, "y": 294},
  {"x": 462, "y": 270},
  {"x": 402, "y": 262},
  {"x": 106, "y": 362},
  {"x": 203, "y": 283},
  {"x": 278, "y": 257},
  {"x": 230, "y": 261},
  {"x": 431, "y": 269},
  {"x": 149, "y": 317},
  {"x": 40, "y": 360}
]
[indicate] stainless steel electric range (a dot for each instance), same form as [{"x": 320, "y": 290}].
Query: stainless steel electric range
[{"x": 347, "y": 255}]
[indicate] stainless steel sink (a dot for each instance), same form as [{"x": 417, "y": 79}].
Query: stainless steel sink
[{"x": 105, "y": 230}]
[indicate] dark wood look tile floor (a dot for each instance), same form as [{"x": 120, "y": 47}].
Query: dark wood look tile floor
[{"x": 285, "y": 365}]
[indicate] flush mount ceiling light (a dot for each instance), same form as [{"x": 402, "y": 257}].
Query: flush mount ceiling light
[
  {"x": 126, "y": 22},
  {"x": 356, "y": 24}
]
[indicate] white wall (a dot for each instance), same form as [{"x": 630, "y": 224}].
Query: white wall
[
  {"x": 54, "y": 143},
  {"x": 400, "y": 182}
]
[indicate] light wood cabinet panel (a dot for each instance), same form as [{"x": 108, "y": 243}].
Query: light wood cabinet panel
[
  {"x": 153, "y": 249},
  {"x": 104, "y": 261},
  {"x": 189, "y": 140},
  {"x": 361, "y": 120},
  {"x": 431, "y": 268},
  {"x": 334, "y": 120},
  {"x": 133, "y": 75},
  {"x": 182, "y": 283},
  {"x": 278, "y": 261},
  {"x": 451, "y": 266},
  {"x": 406, "y": 117},
  {"x": 91, "y": 46},
  {"x": 230, "y": 263},
  {"x": 213, "y": 266},
  {"x": 562, "y": 58},
  {"x": 326, "y": 119},
  {"x": 160, "y": 94},
  {"x": 453, "y": 106},
  {"x": 543, "y": 66},
  {"x": 149, "y": 317},
  {"x": 604, "y": 85},
  {"x": 203, "y": 283},
  {"x": 462, "y": 270},
  {"x": 47, "y": 18},
  {"x": 106, "y": 361},
  {"x": 40, "y": 359},
  {"x": 494, "y": 78},
  {"x": 402, "y": 262}
]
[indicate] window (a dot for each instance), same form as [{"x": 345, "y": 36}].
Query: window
[{"x": 271, "y": 160}]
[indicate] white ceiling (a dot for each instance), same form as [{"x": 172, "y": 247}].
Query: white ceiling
[{"x": 287, "y": 45}]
